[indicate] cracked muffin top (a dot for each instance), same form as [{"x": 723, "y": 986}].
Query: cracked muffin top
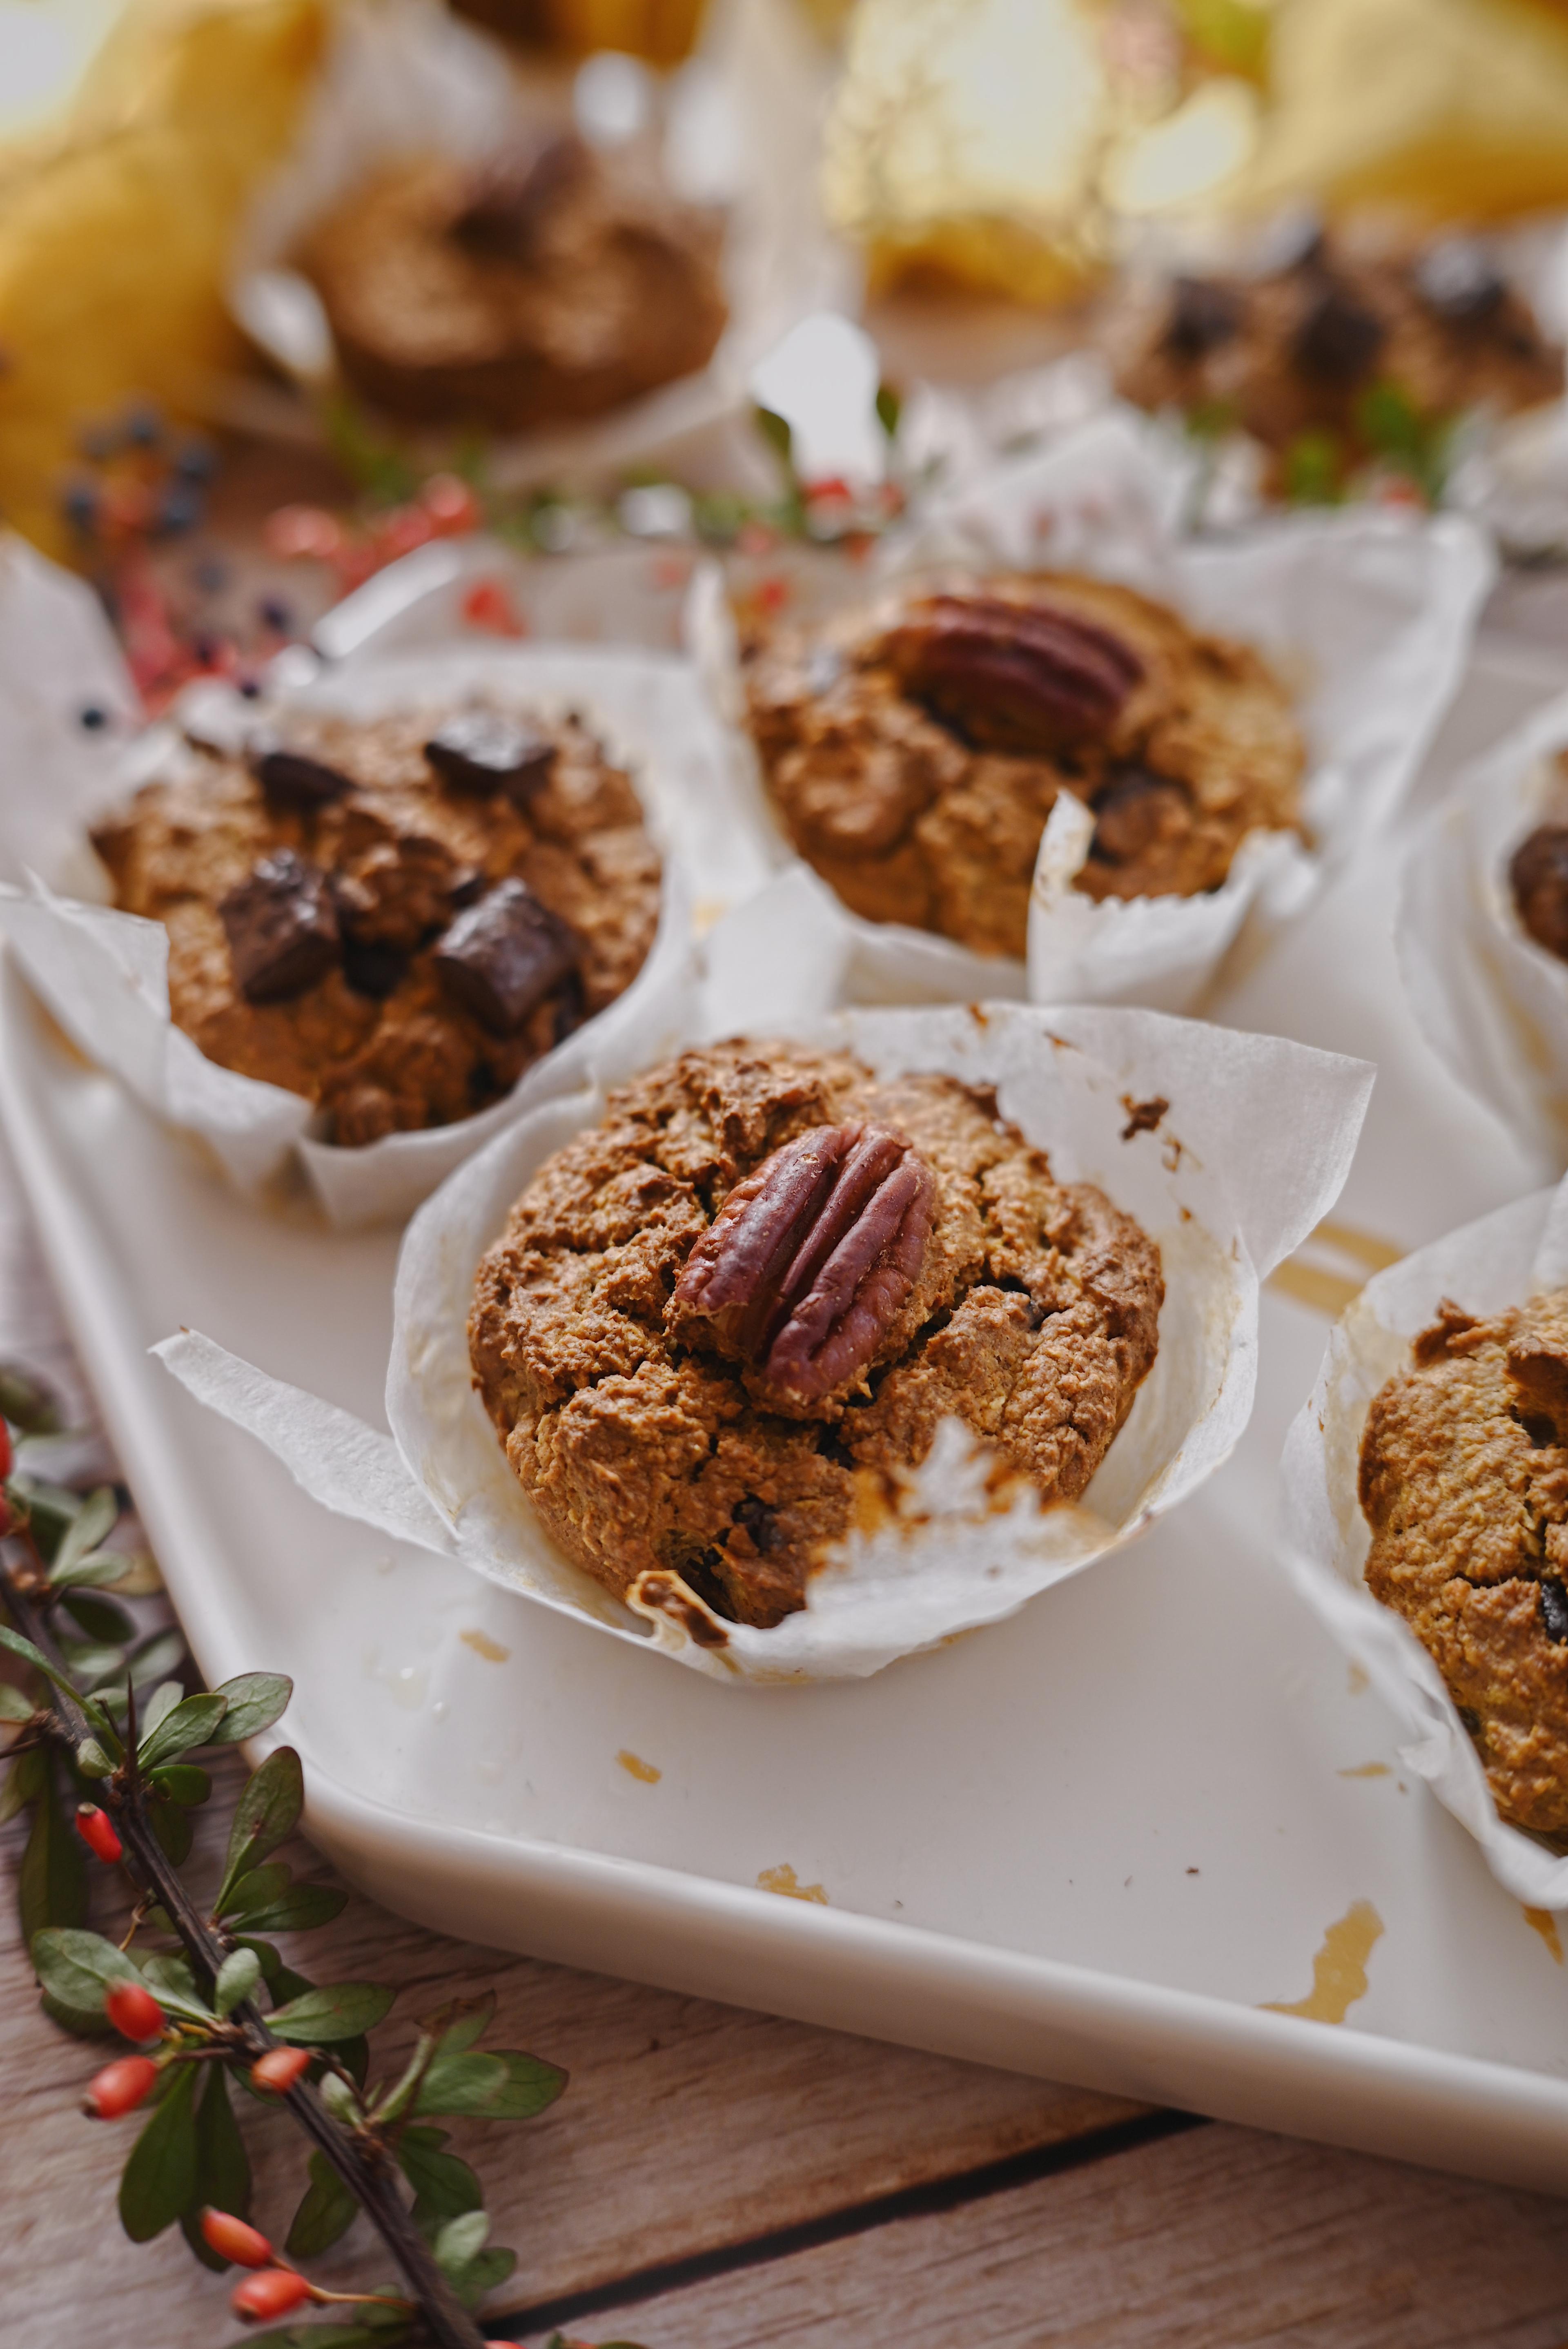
[
  {"x": 747, "y": 1297},
  {"x": 914, "y": 752},
  {"x": 550, "y": 283},
  {"x": 1464, "y": 1482},
  {"x": 393, "y": 918},
  {"x": 1339, "y": 352}
]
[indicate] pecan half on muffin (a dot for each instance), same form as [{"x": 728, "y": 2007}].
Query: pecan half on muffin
[
  {"x": 1538, "y": 875},
  {"x": 914, "y": 752},
  {"x": 1338, "y": 352},
  {"x": 1464, "y": 1482},
  {"x": 767, "y": 1276},
  {"x": 550, "y": 283},
  {"x": 393, "y": 918}
]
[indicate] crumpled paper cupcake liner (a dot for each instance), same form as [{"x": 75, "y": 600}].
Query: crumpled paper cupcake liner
[
  {"x": 1249, "y": 1151},
  {"x": 104, "y": 974},
  {"x": 1492, "y": 1004},
  {"x": 1368, "y": 616},
  {"x": 1501, "y": 1260}
]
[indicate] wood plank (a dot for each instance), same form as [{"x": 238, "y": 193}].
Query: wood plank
[
  {"x": 687, "y": 2127},
  {"x": 1220, "y": 2238}
]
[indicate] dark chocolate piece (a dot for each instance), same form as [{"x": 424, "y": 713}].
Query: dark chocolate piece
[
  {"x": 1338, "y": 337},
  {"x": 1133, "y": 810},
  {"x": 1204, "y": 315},
  {"x": 502, "y": 958},
  {"x": 480, "y": 752},
  {"x": 1554, "y": 1607},
  {"x": 373, "y": 968},
  {"x": 281, "y": 927},
  {"x": 1460, "y": 281},
  {"x": 1538, "y": 876},
  {"x": 290, "y": 778}
]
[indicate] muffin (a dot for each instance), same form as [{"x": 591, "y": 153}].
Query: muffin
[
  {"x": 397, "y": 918},
  {"x": 1337, "y": 354},
  {"x": 720, "y": 1324},
  {"x": 1464, "y": 1482},
  {"x": 547, "y": 285},
  {"x": 914, "y": 752}
]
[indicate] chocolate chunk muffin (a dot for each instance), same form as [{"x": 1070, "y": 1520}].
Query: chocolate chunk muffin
[
  {"x": 914, "y": 752},
  {"x": 394, "y": 919},
  {"x": 749, "y": 1296},
  {"x": 548, "y": 284},
  {"x": 1464, "y": 1482},
  {"x": 1292, "y": 355}
]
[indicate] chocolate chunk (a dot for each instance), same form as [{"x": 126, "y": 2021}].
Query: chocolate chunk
[
  {"x": 1134, "y": 811},
  {"x": 290, "y": 778},
  {"x": 373, "y": 968},
  {"x": 511, "y": 197},
  {"x": 479, "y": 752},
  {"x": 281, "y": 927},
  {"x": 1204, "y": 315},
  {"x": 761, "y": 1520},
  {"x": 1338, "y": 337},
  {"x": 1538, "y": 876},
  {"x": 502, "y": 957},
  {"x": 1460, "y": 281},
  {"x": 1554, "y": 1607}
]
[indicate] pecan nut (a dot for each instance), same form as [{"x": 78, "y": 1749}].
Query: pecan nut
[
  {"x": 1025, "y": 678},
  {"x": 808, "y": 1262}
]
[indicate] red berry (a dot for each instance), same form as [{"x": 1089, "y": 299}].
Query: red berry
[
  {"x": 295, "y": 532},
  {"x": 279, "y": 2068},
  {"x": 120, "y": 2087},
  {"x": 449, "y": 502},
  {"x": 8, "y": 1522},
  {"x": 489, "y": 606},
  {"x": 233, "y": 2240},
  {"x": 133, "y": 2010},
  {"x": 96, "y": 1830},
  {"x": 274, "y": 2292},
  {"x": 5, "y": 1449}
]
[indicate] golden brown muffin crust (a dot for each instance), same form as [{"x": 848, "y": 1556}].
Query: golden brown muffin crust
[{"x": 1034, "y": 1320}]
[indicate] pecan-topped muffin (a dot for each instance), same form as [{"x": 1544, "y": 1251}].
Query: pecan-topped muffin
[
  {"x": 757, "y": 1288},
  {"x": 551, "y": 283},
  {"x": 914, "y": 752},
  {"x": 394, "y": 918},
  {"x": 1305, "y": 354},
  {"x": 1464, "y": 1482}
]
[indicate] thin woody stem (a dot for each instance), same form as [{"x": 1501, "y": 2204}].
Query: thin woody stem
[{"x": 361, "y": 2162}]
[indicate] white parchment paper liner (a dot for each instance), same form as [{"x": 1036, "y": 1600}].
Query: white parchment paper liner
[
  {"x": 1367, "y": 615},
  {"x": 1492, "y": 1004},
  {"x": 1503, "y": 1260},
  {"x": 407, "y": 79},
  {"x": 1251, "y": 1152},
  {"x": 104, "y": 974}
]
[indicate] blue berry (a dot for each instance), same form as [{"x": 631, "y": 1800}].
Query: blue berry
[{"x": 92, "y": 718}]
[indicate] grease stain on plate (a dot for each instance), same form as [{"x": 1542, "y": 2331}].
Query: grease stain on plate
[
  {"x": 636, "y": 1767},
  {"x": 1340, "y": 1968},
  {"x": 1541, "y": 1921},
  {"x": 483, "y": 1645},
  {"x": 407, "y": 1682},
  {"x": 784, "y": 1879},
  {"x": 1367, "y": 1770}
]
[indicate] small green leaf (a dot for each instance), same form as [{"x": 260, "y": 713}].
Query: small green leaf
[
  {"x": 258, "y": 1887},
  {"x": 90, "y": 1661},
  {"x": 183, "y": 1783},
  {"x": 162, "y": 1654},
  {"x": 160, "y": 2178},
  {"x": 40, "y": 1663},
  {"x": 91, "y": 1759},
  {"x": 341, "y": 2010},
  {"x": 105, "y": 1568},
  {"x": 81, "y": 2022},
  {"x": 459, "y": 2025},
  {"x": 78, "y": 1967},
  {"x": 102, "y": 1618},
  {"x": 13, "y": 1791},
  {"x": 482, "y": 2274},
  {"x": 222, "y": 2165},
  {"x": 325, "y": 2214},
  {"x": 13, "y": 1705},
  {"x": 460, "y": 2241},
  {"x": 265, "y": 1814},
  {"x": 462, "y": 2083},
  {"x": 267, "y": 1899},
  {"x": 27, "y": 1403},
  {"x": 273, "y": 1967},
  {"x": 52, "y": 1882},
  {"x": 173, "y": 1983},
  {"x": 157, "y": 1708},
  {"x": 443, "y": 2186},
  {"x": 190, "y": 1724},
  {"x": 92, "y": 1523},
  {"x": 237, "y": 1978},
  {"x": 173, "y": 1828},
  {"x": 255, "y": 1700},
  {"x": 340, "y": 2100},
  {"x": 531, "y": 2086}
]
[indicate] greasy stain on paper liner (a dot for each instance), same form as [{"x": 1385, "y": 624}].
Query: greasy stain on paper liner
[
  {"x": 1340, "y": 1968},
  {"x": 1367, "y": 1770},
  {"x": 784, "y": 1879},
  {"x": 636, "y": 1767},
  {"x": 483, "y": 1645},
  {"x": 1541, "y": 1921}
]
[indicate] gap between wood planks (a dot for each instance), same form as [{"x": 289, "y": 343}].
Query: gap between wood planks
[{"x": 858, "y": 2218}]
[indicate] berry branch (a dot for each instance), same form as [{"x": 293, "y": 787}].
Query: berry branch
[{"x": 103, "y": 1722}]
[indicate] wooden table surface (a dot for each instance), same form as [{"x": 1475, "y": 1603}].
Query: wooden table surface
[{"x": 715, "y": 2176}]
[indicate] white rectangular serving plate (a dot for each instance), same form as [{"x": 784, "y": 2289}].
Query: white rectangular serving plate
[{"x": 1088, "y": 1843}]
